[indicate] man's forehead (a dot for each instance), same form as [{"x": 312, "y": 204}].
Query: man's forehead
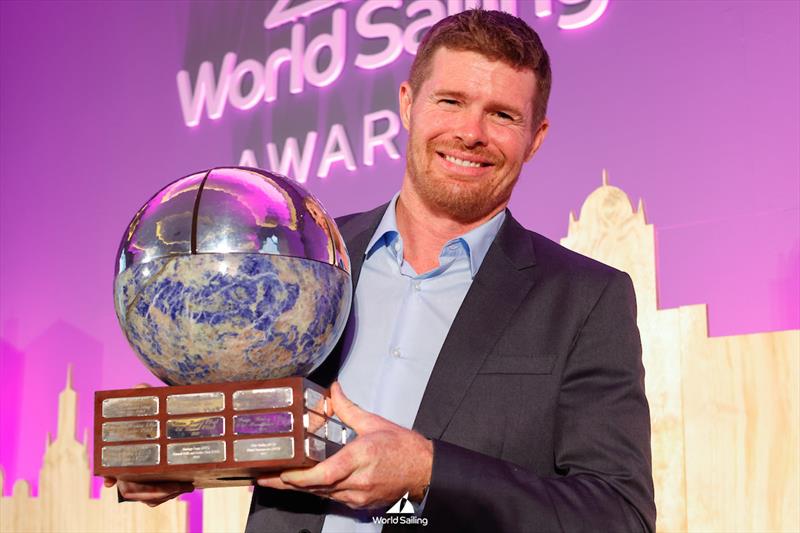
[
  {"x": 446, "y": 54},
  {"x": 450, "y": 63},
  {"x": 469, "y": 73}
]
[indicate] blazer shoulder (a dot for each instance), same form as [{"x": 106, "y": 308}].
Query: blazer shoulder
[
  {"x": 344, "y": 219},
  {"x": 353, "y": 224},
  {"x": 556, "y": 258}
]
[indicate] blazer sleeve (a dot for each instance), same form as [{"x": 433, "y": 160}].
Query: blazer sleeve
[{"x": 602, "y": 461}]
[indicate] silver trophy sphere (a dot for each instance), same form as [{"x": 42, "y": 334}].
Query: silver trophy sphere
[{"x": 232, "y": 274}]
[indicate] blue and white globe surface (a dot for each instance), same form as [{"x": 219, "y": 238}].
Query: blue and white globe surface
[{"x": 232, "y": 274}]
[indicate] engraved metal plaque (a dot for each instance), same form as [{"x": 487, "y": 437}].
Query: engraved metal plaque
[
  {"x": 334, "y": 432},
  {"x": 315, "y": 449},
  {"x": 265, "y": 449},
  {"x": 201, "y": 402},
  {"x": 257, "y": 424},
  {"x": 314, "y": 423},
  {"x": 131, "y": 455},
  {"x": 315, "y": 401},
  {"x": 248, "y": 400},
  {"x": 192, "y": 428},
  {"x": 196, "y": 452},
  {"x": 130, "y": 430},
  {"x": 136, "y": 406}
]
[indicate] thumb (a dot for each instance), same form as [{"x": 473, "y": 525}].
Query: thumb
[{"x": 347, "y": 411}]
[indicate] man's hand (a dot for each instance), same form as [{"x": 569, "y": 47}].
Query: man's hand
[
  {"x": 374, "y": 470},
  {"x": 150, "y": 493}
]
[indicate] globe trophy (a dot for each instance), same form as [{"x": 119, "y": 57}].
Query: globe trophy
[{"x": 231, "y": 285}]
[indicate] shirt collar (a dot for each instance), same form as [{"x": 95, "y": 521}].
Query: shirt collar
[
  {"x": 386, "y": 230},
  {"x": 476, "y": 242}
]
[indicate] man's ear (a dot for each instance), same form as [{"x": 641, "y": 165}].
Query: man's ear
[
  {"x": 538, "y": 138},
  {"x": 406, "y": 100}
]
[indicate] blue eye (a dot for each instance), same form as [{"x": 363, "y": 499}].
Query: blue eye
[{"x": 448, "y": 101}]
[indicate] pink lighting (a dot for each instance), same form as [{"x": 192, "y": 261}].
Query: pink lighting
[
  {"x": 724, "y": 203},
  {"x": 302, "y": 67},
  {"x": 206, "y": 90},
  {"x": 296, "y": 162},
  {"x": 281, "y": 13},
  {"x": 416, "y": 29},
  {"x": 248, "y": 159},
  {"x": 337, "y": 138},
  {"x": 304, "y": 58},
  {"x": 256, "y": 70},
  {"x": 291, "y": 163},
  {"x": 335, "y": 41},
  {"x": 509, "y": 6},
  {"x": 368, "y": 30},
  {"x": 591, "y": 11},
  {"x": 278, "y": 58},
  {"x": 542, "y": 8},
  {"x": 385, "y": 139},
  {"x": 296, "y": 76}
]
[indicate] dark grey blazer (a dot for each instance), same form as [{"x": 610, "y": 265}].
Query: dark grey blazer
[{"x": 536, "y": 404}]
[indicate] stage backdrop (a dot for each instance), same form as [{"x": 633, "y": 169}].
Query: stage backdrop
[{"x": 690, "y": 105}]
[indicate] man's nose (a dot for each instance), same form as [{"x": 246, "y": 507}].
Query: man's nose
[{"x": 471, "y": 129}]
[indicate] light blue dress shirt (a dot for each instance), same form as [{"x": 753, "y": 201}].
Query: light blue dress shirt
[{"x": 402, "y": 319}]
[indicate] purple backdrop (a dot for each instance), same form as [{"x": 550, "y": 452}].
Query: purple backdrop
[{"x": 690, "y": 105}]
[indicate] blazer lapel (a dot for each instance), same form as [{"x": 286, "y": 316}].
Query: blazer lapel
[
  {"x": 356, "y": 232},
  {"x": 499, "y": 287}
]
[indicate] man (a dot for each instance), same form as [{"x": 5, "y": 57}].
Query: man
[{"x": 493, "y": 376}]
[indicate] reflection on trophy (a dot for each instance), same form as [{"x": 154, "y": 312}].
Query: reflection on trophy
[{"x": 231, "y": 285}]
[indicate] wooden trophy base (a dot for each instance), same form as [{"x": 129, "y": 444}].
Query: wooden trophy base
[{"x": 214, "y": 435}]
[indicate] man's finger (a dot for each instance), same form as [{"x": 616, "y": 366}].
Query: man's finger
[
  {"x": 156, "y": 503},
  {"x": 153, "y": 496},
  {"x": 324, "y": 474},
  {"x": 109, "y": 482},
  {"x": 354, "y": 499},
  {"x": 273, "y": 482},
  {"x": 347, "y": 411},
  {"x": 141, "y": 491}
]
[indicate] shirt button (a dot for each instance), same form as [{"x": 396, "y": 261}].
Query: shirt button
[
  {"x": 396, "y": 352},
  {"x": 417, "y": 285}
]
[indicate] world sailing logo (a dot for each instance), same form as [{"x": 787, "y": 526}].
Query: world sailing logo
[
  {"x": 399, "y": 514},
  {"x": 403, "y": 506}
]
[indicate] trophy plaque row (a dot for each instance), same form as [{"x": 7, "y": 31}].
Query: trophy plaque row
[{"x": 214, "y": 434}]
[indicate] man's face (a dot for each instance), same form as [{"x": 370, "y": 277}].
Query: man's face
[{"x": 470, "y": 130}]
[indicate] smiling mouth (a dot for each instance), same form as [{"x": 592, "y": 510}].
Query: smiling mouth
[{"x": 463, "y": 162}]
